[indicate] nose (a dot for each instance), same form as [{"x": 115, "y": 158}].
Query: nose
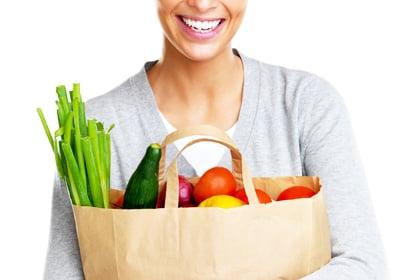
[{"x": 202, "y": 5}]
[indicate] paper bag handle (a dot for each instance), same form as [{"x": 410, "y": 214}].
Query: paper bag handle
[
  {"x": 203, "y": 129},
  {"x": 240, "y": 172}
]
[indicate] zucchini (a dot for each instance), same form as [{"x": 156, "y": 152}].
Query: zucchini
[{"x": 142, "y": 188}]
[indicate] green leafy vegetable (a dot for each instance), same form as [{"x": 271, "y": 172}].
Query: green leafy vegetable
[{"x": 82, "y": 150}]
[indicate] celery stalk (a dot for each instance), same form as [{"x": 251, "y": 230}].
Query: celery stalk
[
  {"x": 46, "y": 128},
  {"x": 62, "y": 99},
  {"x": 63, "y": 158},
  {"x": 82, "y": 120},
  {"x": 108, "y": 158},
  {"x": 72, "y": 189},
  {"x": 59, "y": 132},
  {"x": 74, "y": 173},
  {"x": 60, "y": 114},
  {"x": 81, "y": 109},
  {"x": 99, "y": 126},
  {"x": 103, "y": 173},
  {"x": 58, "y": 161},
  {"x": 110, "y": 128},
  {"x": 77, "y": 136},
  {"x": 67, "y": 128},
  {"x": 94, "y": 138},
  {"x": 53, "y": 143},
  {"x": 93, "y": 174},
  {"x": 82, "y": 150}
]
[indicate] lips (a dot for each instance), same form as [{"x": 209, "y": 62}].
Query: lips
[{"x": 200, "y": 28}]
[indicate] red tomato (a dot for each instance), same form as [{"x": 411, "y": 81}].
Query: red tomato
[
  {"x": 296, "y": 192},
  {"x": 120, "y": 201},
  {"x": 215, "y": 181},
  {"x": 263, "y": 197}
]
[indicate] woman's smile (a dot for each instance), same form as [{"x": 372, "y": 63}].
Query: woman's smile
[{"x": 200, "y": 28}]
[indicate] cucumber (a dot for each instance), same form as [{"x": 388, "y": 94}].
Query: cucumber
[{"x": 142, "y": 188}]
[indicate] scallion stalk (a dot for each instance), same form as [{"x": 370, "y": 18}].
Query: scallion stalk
[
  {"x": 82, "y": 150},
  {"x": 75, "y": 175},
  {"x": 108, "y": 158},
  {"x": 58, "y": 161},
  {"x": 45, "y": 126},
  {"x": 60, "y": 114},
  {"x": 62, "y": 99},
  {"x": 93, "y": 173},
  {"x": 103, "y": 173},
  {"x": 77, "y": 136},
  {"x": 82, "y": 119},
  {"x": 67, "y": 128},
  {"x": 72, "y": 188}
]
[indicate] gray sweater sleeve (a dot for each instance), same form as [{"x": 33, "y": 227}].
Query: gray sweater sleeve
[
  {"x": 63, "y": 257},
  {"x": 329, "y": 151}
]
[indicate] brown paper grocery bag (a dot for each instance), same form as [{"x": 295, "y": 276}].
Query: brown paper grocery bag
[{"x": 280, "y": 240}]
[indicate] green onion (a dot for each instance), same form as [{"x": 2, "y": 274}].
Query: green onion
[
  {"x": 108, "y": 157},
  {"x": 62, "y": 99},
  {"x": 82, "y": 150},
  {"x": 103, "y": 173},
  {"x": 68, "y": 128},
  {"x": 63, "y": 160},
  {"x": 93, "y": 173},
  {"x": 46, "y": 128},
  {"x": 72, "y": 189},
  {"x": 77, "y": 136},
  {"x": 75, "y": 175},
  {"x": 97, "y": 138},
  {"x": 100, "y": 126},
  {"x": 60, "y": 114},
  {"x": 110, "y": 128},
  {"x": 82, "y": 120},
  {"x": 58, "y": 161}
]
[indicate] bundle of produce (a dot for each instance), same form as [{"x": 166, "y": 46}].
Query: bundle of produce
[
  {"x": 170, "y": 226},
  {"x": 82, "y": 150},
  {"x": 215, "y": 188}
]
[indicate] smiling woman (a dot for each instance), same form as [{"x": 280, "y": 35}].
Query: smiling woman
[
  {"x": 286, "y": 122},
  {"x": 200, "y": 30}
]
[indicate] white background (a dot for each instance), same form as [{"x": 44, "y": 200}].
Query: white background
[{"x": 369, "y": 50}]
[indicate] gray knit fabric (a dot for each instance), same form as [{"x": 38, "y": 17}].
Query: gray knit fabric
[{"x": 291, "y": 123}]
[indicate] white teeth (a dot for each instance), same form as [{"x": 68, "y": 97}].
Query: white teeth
[{"x": 201, "y": 26}]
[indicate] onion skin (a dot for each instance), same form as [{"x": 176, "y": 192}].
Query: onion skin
[{"x": 185, "y": 194}]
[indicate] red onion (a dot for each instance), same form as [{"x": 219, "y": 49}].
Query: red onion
[{"x": 185, "y": 194}]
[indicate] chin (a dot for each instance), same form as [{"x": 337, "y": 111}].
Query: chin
[{"x": 201, "y": 52}]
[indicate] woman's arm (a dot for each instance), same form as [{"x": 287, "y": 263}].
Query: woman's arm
[
  {"x": 63, "y": 258},
  {"x": 329, "y": 151}
]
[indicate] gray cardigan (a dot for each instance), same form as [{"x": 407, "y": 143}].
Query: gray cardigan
[{"x": 291, "y": 122}]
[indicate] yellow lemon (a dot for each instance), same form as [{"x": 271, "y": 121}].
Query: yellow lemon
[{"x": 222, "y": 201}]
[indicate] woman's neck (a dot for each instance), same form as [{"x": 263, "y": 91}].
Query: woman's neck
[
  {"x": 196, "y": 79},
  {"x": 198, "y": 86}
]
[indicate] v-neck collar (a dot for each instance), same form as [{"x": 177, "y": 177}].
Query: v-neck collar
[{"x": 157, "y": 131}]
